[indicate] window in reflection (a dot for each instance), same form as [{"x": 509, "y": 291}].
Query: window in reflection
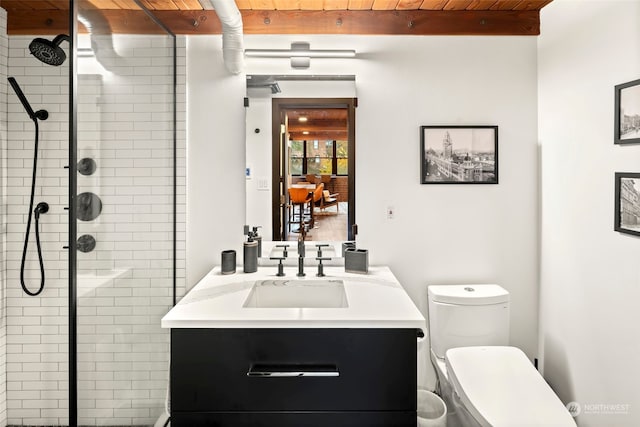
[{"x": 318, "y": 157}]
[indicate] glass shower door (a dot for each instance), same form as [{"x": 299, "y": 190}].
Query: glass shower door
[{"x": 125, "y": 220}]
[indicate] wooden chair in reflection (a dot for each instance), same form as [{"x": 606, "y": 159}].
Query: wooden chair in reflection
[
  {"x": 300, "y": 199},
  {"x": 317, "y": 198},
  {"x": 326, "y": 200}
]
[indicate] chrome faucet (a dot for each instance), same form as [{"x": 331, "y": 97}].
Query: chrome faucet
[{"x": 300, "y": 257}]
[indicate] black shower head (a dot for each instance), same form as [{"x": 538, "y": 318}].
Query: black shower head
[
  {"x": 40, "y": 114},
  {"x": 49, "y": 51}
]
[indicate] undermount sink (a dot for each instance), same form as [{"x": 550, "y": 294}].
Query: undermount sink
[{"x": 312, "y": 293}]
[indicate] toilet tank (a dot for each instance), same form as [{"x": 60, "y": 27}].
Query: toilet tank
[{"x": 466, "y": 316}]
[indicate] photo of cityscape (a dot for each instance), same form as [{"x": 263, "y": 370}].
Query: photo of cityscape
[
  {"x": 459, "y": 155},
  {"x": 628, "y": 203},
  {"x": 630, "y": 113}
]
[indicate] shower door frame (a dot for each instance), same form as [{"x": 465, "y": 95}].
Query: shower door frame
[{"x": 73, "y": 190}]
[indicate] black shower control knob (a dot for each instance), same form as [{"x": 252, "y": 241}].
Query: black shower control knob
[
  {"x": 87, "y": 166},
  {"x": 86, "y": 243},
  {"x": 88, "y": 206}
]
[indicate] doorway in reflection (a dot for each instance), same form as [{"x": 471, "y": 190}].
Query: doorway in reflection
[
  {"x": 318, "y": 161},
  {"x": 298, "y": 128},
  {"x": 313, "y": 168}
]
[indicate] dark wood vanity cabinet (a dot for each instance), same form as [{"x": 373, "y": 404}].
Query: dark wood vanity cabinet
[{"x": 293, "y": 377}]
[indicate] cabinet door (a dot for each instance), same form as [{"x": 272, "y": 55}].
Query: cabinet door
[
  {"x": 309, "y": 419},
  {"x": 374, "y": 369}
]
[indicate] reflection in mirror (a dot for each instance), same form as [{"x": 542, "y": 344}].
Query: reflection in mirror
[{"x": 300, "y": 156}]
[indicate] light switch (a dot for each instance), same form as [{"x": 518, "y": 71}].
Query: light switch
[{"x": 263, "y": 184}]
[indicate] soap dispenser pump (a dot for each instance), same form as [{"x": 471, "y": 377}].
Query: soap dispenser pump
[
  {"x": 250, "y": 252},
  {"x": 258, "y": 239}
]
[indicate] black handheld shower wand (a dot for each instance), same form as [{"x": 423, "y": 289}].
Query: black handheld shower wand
[
  {"x": 42, "y": 206},
  {"x": 40, "y": 114}
]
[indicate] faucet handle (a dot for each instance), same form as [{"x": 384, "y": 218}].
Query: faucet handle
[
  {"x": 280, "y": 266},
  {"x": 321, "y": 266},
  {"x": 284, "y": 250},
  {"x": 320, "y": 246}
]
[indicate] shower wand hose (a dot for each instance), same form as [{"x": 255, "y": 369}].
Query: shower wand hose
[{"x": 41, "y": 208}]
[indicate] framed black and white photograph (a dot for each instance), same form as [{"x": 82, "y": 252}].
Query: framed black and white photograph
[
  {"x": 627, "y": 113},
  {"x": 627, "y": 203},
  {"x": 459, "y": 154}
]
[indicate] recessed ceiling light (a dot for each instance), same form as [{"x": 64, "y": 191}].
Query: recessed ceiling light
[
  {"x": 306, "y": 132},
  {"x": 302, "y": 119}
]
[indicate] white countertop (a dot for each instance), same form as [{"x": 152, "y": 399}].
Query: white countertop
[{"x": 375, "y": 300}]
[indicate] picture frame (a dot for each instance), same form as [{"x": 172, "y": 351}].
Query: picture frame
[
  {"x": 627, "y": 203},
  {"x": 627, "y": 113},
  {"x": 459, "y": 154}
]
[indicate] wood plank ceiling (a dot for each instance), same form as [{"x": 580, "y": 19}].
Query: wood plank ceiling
[
  {"x": 410, "y": 17},
  {"x": 317, "y": 123}
]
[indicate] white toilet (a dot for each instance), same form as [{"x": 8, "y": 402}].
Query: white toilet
[{"x": 483, "y": 381}]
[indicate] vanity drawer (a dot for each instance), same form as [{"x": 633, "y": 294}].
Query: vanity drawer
[
  {"x": 253, "y": 370},
  {"x": 295, "y": 419}
]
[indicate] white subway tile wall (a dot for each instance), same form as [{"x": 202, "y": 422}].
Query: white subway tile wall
[
  {"x": 37, "y": 326},
  {"x": 125, "y": 285},
  {"x": 4, "y": 46}
]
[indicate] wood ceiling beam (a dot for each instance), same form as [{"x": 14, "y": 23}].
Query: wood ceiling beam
[
  {"x": 409, "y": 22},
  {"x": 32, "y": 22}
]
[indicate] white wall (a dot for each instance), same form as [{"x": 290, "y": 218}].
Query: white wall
[
  {"x": 441, "y": 234},
  {"x": 215, "y": 157},
  {"x": 590, "y": 275}
]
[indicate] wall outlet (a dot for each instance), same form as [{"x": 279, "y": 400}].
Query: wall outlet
[{"x": 390, "y": 212}]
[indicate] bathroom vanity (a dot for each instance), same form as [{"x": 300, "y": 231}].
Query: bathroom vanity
[{"x": 261, "y": 350}]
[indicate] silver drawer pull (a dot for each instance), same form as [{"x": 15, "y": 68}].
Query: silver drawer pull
[
  {"x": 292, "y": 371},
  {"x": 292, "y": 374}
]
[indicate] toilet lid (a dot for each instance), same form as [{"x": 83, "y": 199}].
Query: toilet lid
[{"x": 500, "y": 387}]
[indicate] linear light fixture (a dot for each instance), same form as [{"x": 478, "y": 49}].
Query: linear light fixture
[{"x": 300, "y": 54}]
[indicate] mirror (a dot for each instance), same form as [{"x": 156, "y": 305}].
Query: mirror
[{"x": 300, "y": 142}]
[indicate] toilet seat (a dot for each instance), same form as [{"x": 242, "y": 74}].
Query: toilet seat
[{"x": 500, "y": 388}]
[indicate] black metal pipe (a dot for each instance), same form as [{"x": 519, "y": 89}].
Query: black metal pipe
[{"x": 72, "y": 234}]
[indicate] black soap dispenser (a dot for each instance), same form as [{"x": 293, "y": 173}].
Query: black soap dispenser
[{"x": 250, "y": 252}]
